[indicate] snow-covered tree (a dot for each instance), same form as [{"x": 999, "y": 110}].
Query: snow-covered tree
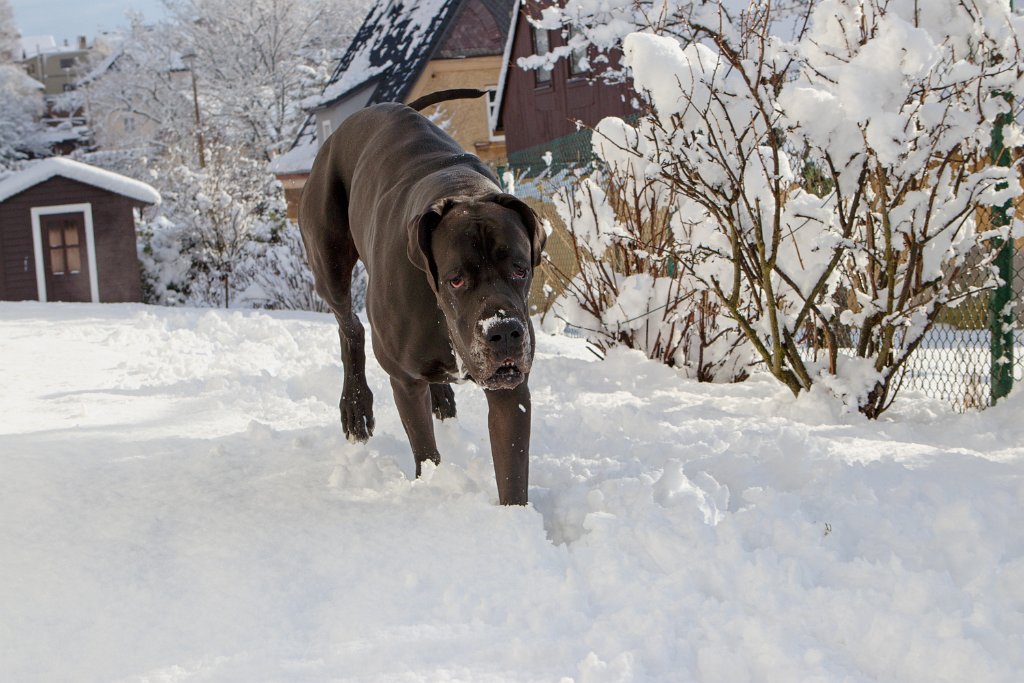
[
  {"x": 21, "y": 105},
  {"x": 829, "y": 182},
  {"x": 195, "y": 249},
  {"x": 257, "y": 59},
  {"x": 8, "y": 33},
  {"x": 139, "y": 99},
  {"x": 21, "y": 98},
  {"x": 246, "y": 67}
]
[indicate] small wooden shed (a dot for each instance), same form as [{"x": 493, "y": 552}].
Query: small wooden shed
[{"x": 67, "y": 233}]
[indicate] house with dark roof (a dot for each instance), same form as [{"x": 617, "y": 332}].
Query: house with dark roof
[
  {"x": 403, "y": 50},
  {"x": 537, "y": 111}
]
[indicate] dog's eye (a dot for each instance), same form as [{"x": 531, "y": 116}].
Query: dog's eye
[
  {"x": 457, "y": 281},
  {"x": 519, "y": 272}
]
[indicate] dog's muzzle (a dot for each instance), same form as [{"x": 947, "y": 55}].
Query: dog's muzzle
[{"x": 505, "y": 352}]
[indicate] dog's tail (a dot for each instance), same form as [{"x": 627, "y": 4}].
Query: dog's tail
[{"x": 422, "y": 103}]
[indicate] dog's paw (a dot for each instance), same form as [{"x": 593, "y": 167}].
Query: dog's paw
[
  {"x": 357, "y": 414},
  {"x": 442, "y": 401}
]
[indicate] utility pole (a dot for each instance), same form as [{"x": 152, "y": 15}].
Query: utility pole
[{"x": 190, "y": 59}]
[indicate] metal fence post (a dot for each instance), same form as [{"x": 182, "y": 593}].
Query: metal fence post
[{"x": 1001, "y": 317}]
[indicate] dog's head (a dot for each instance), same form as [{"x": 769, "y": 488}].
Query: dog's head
[{"x": 478, "y": 256}]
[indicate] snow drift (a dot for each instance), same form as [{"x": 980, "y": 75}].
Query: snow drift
[{"x": 178, "y": 503}]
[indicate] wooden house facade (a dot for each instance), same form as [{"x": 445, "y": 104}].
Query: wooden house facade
[{"x": 536, "y": 108}]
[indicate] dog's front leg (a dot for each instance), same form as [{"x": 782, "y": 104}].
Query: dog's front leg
[
  {"x": 508, "y": 421},
  {"x": 413, "y": 400}
]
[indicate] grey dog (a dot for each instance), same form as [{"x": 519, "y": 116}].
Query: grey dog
[{"x": 449, "y": 258}]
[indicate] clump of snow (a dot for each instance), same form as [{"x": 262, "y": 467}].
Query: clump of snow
[{"x": 178, "y": 502}]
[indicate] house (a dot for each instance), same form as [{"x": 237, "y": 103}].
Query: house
[
  {"x": 58, "y": 68},
  {"x": 67, "y": 233},
  {"x": 55, "y": 66},
  {"x": 405, "y": 49},
  {"x": 537, "y": 110}
]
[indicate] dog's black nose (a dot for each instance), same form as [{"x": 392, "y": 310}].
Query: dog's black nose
[{"x": 505, "y": 337}]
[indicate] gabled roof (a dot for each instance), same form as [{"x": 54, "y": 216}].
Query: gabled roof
[
  {"x": 30, "y": 46},
  {"x": 41, "y": 171},
  {"x": 389, "y": 52},
  {"x": 393, "y": 45}
]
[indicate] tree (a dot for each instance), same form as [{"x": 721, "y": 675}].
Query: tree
[
  {"x": 230, "y": 75},
  {"x": 8, "y": 33},
  {"x": 21, "y": 105},
  {"x": 829, "y": 184},
  {"x": 197, "y": 246},
  {"x": 257, "y": 60},
  {"x": 21, "y": 99}
]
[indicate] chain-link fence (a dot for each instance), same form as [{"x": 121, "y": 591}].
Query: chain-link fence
[
  {"x": 954, "y": 363},
  {"x": 956, "y": 360}
]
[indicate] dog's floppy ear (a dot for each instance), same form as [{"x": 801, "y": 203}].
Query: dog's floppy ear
[
  {"x": 534, "y": 228},
  {"x": 420, "y": 231}
]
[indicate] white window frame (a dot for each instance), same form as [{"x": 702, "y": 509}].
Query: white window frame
[
  {"x": 492, "y": 113},
  {"x": 90, "y": 246}
]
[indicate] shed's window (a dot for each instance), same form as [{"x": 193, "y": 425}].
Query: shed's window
[{"x": 65, "y": 251}]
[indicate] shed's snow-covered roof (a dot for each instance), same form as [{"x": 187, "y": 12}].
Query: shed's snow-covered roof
[{"x": 41, "y": 171}]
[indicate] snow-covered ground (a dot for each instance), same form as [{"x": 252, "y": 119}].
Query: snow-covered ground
[{"x": 177, "y": 503}]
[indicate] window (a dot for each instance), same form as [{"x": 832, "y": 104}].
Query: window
[
  {"x": 541, "y": 46},
  {"x": 496, "y": 134},
  {"x": 578, "y": 62},
  {"x": 492, "y": 101},
  {"x": 65, "y": 251},
  {"x": 67, "y": 63},
  {"x": 326, "y": 129}
]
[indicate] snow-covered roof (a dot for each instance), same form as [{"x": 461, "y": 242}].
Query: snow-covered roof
[
  {"x": 299, "y": 159},
  {"x": 30, "y": 46},
  {"x": 42, "y": 171},
  {"x": 392, "y": 46},
  {"x": 387, "y": 55}
]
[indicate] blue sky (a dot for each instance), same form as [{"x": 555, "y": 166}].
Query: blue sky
[{"x": 69, "y": 18}]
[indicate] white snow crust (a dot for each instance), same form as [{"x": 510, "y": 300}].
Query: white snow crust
[{"x": 178, "y": 503}]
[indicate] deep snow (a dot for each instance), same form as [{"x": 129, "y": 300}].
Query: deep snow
[{"x": 177, "y": 503}]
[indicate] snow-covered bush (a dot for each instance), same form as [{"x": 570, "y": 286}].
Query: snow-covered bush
[
  {"x": 280, "y": 277},
  {"x": 633, "y": 285},
  {"x": 200, "y": 243},
  {"x": 889, "y": 108}
]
